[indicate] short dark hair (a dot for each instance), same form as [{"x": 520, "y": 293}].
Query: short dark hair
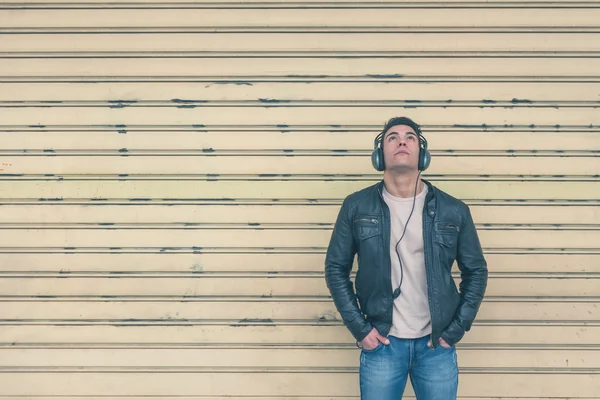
[{"x": 401, "y": 121}]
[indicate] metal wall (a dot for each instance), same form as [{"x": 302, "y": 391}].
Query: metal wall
[{"x": 171, "y": 172}]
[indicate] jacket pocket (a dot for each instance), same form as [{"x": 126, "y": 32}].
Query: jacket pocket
[
  {"x": 446, "y": 233},
  {"x": 366, "y": 227},
  {"x": 446, "y": 238}
]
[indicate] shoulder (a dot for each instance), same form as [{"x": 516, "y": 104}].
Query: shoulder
[
  {"x": 362, "y": 196},
  {"x": 448, "y": 203}
]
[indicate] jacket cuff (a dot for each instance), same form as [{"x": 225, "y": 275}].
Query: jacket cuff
[
  {"x": 453, "y": 333},
  {"x": 359, "y": 329}
]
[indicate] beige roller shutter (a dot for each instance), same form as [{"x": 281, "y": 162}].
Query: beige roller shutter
[{"x": 171, "y": 172}]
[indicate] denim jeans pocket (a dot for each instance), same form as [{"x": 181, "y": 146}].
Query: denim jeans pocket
[{"x": 373, "y": 350}]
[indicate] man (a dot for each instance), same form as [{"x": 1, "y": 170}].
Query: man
[{"x": 407, "y": 234}]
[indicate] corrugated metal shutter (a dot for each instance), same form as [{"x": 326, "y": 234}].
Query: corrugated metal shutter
[{"x": 172, "y": 171}]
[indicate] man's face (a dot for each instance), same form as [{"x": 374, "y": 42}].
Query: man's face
[{"x": 401, "y": 148}]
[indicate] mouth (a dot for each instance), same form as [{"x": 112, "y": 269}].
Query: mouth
[{"x": 401, "y": 152}]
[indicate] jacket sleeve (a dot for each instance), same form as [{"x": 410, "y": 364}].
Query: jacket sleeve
[
  {"x": 338, "y": 264},
  {"x": 473, "y": 284}
]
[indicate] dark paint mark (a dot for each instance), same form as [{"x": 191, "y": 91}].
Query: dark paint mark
[
  {"x": 197, "y": 126},
  {"x": 123, "y": 150},
  {"x": 254, "y": 223},
  {"x": 209, "y": 150},
  {"x": 186, "y": 106},
  {"x": 99, "y": 199},
  {"x": 140, "y": 199},
  {"x": 307, "y": 76},
  {"x": 48, "y": 174},
  {"x": 69, "y": 248},
  {"x": 230, "y": 83},
  {"x": 121, "y": 103},
  {"x": 51, "y": 199},
  {"x": 267, "y": 175},
  {"x": 467, "y": 126},
  {"x": 256, "y": 320},
  {"x": 123, "y": 175},
  {"x": 339, "y": 151},
  {"x": 335, "y": 126},
  {"x": 282, "y": 126},
  {"x": 37, "y": 126},
  {"x": 384, "y": 76},
  {"x": 106, "y": 223},
  {"x": 489, "y": 101},
  {"x": 181, "y": 101},
  {"x": 49, "y": 151},
  {"x": 121, "y": 129},
  {"x": 288, "y": 150},
  {"x": 273, "y": 101},
  {"x": 521, "y": 101},
  {"x": 413, "y": 101}
]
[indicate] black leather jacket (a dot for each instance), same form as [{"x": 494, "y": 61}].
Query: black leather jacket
[{"x": 363, "y": 227}]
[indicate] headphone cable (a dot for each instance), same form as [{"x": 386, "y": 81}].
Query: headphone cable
[{"x": 396, "y": 292}]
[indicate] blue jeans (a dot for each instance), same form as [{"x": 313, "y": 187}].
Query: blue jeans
[{"x": 385, "y": 369}]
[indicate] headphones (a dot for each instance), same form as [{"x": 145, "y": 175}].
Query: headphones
[{"x": 377, "y": 155}]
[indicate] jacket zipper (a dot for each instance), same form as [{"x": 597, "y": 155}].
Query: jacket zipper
[
  {"x": 372, "y": 220},
  {"x": 386, "y": 232},
  {"x": 451, "y": 226}
]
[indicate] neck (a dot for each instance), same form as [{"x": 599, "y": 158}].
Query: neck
[{"x": 402, "y": 185}]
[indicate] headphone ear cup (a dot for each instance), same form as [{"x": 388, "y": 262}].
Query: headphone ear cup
[
  {"x": 424, "y": 159},
  {"x": 377, "y": 159}
]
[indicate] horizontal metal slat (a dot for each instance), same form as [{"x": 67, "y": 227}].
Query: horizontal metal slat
[
  {"x": 485, "y": 94},
  {"x": 558, "y": 164},
  {"x": 300, "y": 285},
  {"x": 558, "y": 261},
  {"x": 544, "y": 215},
  {"x": 272, "y": 189},
  {"x": 446, "y": 17},
  {"x": 326, "y": 138},
  {"x": 264, "y": 237},
  {"x": 201, "y": 117},
  {"x": 561, "y": 334},
  {"x": 299, "y": 42},
  {"x": 275, "y": 384},
  {"x": 177, "y": 310}
]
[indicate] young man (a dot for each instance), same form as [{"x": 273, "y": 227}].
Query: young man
[{"x": 406, "y": 314}]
